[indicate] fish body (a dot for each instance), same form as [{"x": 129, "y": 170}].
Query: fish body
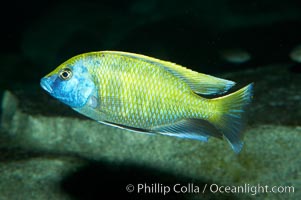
[{"x": 148, "y": 95}]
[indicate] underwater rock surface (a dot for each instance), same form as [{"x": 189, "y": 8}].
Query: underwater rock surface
[
  {"x": 34, "y": 178},
  {"x": 45, "y": 154}
]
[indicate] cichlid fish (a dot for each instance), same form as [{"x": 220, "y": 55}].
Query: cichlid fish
[{"x": 148, "y": 95}]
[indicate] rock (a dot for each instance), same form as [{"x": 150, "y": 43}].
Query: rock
[
  {"x": 9, "y": 106},
  {"x": 295, "y": 54},
  {"x": 35, "y": 178},
  {"x": 235, "y": 56}
]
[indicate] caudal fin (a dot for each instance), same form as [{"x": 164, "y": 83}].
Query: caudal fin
[{"x": 229, "y": 117}]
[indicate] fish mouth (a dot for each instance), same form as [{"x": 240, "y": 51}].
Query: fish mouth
[{"x": 45, "y": 85}]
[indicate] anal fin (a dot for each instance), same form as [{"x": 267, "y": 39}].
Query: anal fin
[{"x": 196, "y": 129}]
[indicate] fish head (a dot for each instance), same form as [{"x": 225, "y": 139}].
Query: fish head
[{"x": 71, "y": 83}]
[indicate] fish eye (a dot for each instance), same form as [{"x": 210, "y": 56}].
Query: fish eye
[{"x": 65, "y": 74}]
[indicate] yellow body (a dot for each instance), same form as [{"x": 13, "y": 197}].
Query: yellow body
[
  {"x": 136, "y": 93},
  {"x": 145, "y": 94}
]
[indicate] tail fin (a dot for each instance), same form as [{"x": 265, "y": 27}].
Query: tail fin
[{"x": 229, "y": 115}]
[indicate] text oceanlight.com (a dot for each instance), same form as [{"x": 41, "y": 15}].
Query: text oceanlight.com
[{"x": 191, "y": 188}]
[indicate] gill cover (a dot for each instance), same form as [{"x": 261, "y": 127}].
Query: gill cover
[{"x": 71, "y": 85}]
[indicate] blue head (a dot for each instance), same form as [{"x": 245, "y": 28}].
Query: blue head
[{"x": 71, "y": 83}]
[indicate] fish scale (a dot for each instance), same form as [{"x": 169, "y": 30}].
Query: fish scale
[
  {"x": 148, "y": 95},
  {"x": 146, "y": 92}
]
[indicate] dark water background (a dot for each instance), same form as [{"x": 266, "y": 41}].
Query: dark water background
[{"x": 36, "y": 36}]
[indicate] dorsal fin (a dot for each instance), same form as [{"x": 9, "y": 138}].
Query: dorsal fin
[{"x": 198, "y": 82}]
